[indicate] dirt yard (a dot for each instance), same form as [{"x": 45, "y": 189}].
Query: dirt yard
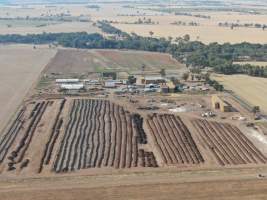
[
  {"x": 20, "y": 68},
  {"x": 251, "y": 89}
]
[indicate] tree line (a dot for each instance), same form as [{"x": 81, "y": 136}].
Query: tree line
[{"x": 194, "y": 54}]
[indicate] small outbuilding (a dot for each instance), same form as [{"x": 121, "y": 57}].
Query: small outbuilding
[{"x": 219, "y": 103}]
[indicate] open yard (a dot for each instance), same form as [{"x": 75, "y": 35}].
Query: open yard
[
  {"x": 251, "y": 89},
  {"x": 20, "y": 68}
]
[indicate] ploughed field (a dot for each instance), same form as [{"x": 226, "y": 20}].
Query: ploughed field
[
  {"x": 66, "y": 135},
  {"x": 102, "y": 134},
  {"x": 174, "y": 140},
  {"x": 74, "y": 62}
]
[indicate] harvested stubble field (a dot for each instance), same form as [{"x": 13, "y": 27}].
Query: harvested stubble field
[
  {"x": 64, "y": 27},
  {"x": 248, "y": 88},
  {"x": 20, "y": 68},
  {"x": 71, "y": 62},
  {"x": 254, "y": 63}
]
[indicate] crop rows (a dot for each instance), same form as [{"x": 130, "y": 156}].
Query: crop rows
[
  {"x": 49, "y": 147},
  {"x": 228, "y": 144},
  {"x": 173, "y": 140},
  {"x": 147, "y": 159},
  {"x": 17, "y": 155},
  {"x": 8, "y": 139},
  {"x": 141, "y": 135},
  {"x": 98, "y": 134}
]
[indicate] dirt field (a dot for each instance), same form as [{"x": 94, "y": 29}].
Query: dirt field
[
  {"x": 84, "y": 61},
  {"x": 91, "y": 148},
  {"x": 251, "y": 89},
  {"x": 255, "y": 63},
  {"x": 85, "y": 134},
  {"x": 207, "y": 32},
  {"x": 20, "y": 68},
  {"x": 204, "y": 185},
  {"x": 54, "y": 28}
]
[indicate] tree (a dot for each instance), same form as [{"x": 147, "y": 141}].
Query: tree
[
  {"x": 186, "y": 38},
  {"x": 256, "y": 109},
  {"x": 162, "y": 72},
  {"x": 185, "y": 76},
  {"x": 131, "y": 80},
  {"x": 143, "y": 67},
  {"x": 151, "y": 33}
]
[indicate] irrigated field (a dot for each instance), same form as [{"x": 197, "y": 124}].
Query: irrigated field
[
  {"x": 250, "y": 89},
  {"x": 83, "y": 61},
  {"x": 20, "y": 68}
]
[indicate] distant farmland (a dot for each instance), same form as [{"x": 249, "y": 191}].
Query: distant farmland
[{"x": 251, "y": 89}]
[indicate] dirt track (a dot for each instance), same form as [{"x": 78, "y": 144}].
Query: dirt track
[{"x": 223, "y": 184}]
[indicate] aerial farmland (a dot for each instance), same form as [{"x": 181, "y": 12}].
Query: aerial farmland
[{"x": 133, "y": 100}]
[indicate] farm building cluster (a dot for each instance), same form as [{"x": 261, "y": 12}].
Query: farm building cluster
[{"x": 132, "y": 83}]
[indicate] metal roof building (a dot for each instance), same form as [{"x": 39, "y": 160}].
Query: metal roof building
[
  {"x": 67, "y": 80},
  {"x": 72, "y": 86}
]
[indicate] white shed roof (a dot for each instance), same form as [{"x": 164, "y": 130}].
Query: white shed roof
[
  {"x": 72, "y": 86},
  {"x": 67, "y": 80}
]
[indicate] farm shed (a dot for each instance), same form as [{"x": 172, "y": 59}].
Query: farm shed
[
  {"x": 67, "y": 80},
  {"x": 72, "y": 86},
  {"x": 219, "y": 103},
  {"x": 110, "y": 84},
  {"x": 152, "y": 80},
  {"x": 164, "y": 89}
]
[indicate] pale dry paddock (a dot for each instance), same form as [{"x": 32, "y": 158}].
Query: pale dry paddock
[
  {"x": 254, "y": 63},
  {"x": 206, "y": 34},
  {"x": 251, "y": 89},
  {"x": 20, "y": 67},
  {"x": 54, "y": 28}
]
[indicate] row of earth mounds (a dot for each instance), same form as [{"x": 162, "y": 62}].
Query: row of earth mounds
[
  {"x": 100, "y": 133},
  {"x": 96, "y": 133},
  {"x": 49, "y": 147},
  {"x": 228, "y": 144},
  {"x": 173, "y": 140},
  {"x": 11, "y": 134},
  {"x": 17, "y": 154}
]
